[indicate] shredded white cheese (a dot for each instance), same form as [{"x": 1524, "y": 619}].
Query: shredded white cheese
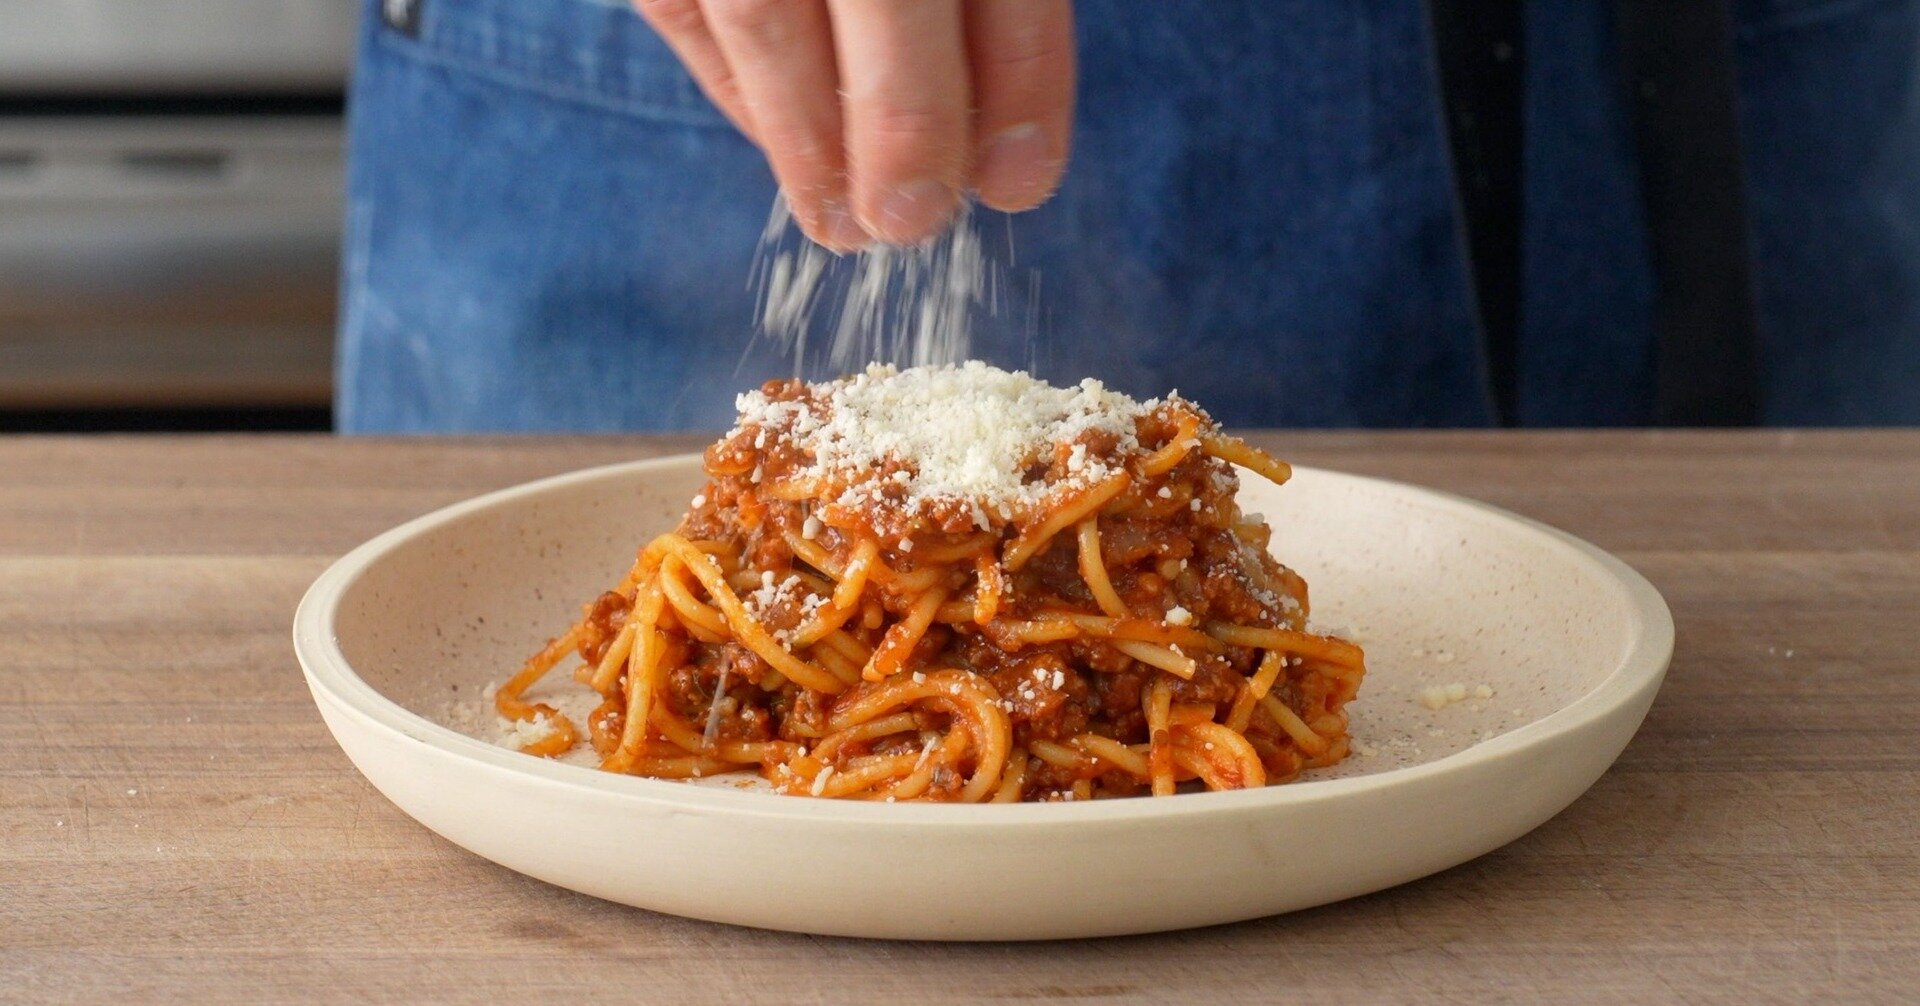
[
  {"x": 965, "y": 434},
  {"x": 1179, "y": 615},
  {"x": 773, "y": 592},
  {"x": 908, "y": 305},
  {"x": 520, "y": 733},
  {"x": 1439, "y": 697}
]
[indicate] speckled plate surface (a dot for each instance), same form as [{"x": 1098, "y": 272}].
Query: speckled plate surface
[{"x": 1542, "y": 652}]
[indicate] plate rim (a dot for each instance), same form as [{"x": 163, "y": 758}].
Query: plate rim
[{"x": 331, "y": 678}]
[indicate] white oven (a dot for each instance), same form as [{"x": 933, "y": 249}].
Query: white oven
[{"x": 169, "y": 201}]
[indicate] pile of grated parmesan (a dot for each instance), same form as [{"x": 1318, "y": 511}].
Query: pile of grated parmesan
[
  {"x": 966, "y": 433},
  {"x": 519, "y": 733}
]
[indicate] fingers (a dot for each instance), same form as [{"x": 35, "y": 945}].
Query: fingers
[
  {"x": 781, "y": 52},
  {"x": 904, "y": 73},
  {"x": 768, "y": 64},
  {"x": 877, "y": 114},
  {"x": 684, "y": 28},
  {"x": 1022, "y": 62}
]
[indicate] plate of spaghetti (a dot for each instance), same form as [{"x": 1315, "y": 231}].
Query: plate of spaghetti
[{"x": 949, "y": 652}]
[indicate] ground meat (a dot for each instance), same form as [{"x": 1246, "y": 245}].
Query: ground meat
[
  {"x": 605, "y": 616},
  {"x": 1045, "y": 697},
  {"x": 1174, "y": 544}
]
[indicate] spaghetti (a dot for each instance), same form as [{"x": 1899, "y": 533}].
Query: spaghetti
[{"x": 959, "y": 584}]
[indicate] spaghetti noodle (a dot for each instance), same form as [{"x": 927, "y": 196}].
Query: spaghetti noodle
[{"x": 959, "y": 584}]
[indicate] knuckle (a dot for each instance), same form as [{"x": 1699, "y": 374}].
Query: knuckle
[
  {"x": 798, "y": 149},
  {"x": 724, "y": 89},
  {"x": 1029, "y": 52},
  {"x": 761, "y": 19},
  {"x": 911, "y": 141},
  {"x": 671, "y": 16},
  {"x": 725, "y": 93},
  {"x": 895, "y": 123}
]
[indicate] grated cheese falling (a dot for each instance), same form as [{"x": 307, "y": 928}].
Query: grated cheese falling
[{"x": 909, "y": 306}]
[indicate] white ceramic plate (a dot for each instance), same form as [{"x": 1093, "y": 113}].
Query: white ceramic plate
[{"x": 399, "y": 638}]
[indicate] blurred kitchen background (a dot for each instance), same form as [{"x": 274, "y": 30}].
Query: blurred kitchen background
[{"x": 170, "y": 179}]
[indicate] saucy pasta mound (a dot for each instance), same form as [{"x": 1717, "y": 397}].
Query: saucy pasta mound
[{"x": 958, "y": 584}]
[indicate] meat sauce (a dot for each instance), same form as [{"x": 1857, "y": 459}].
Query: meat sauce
[{"x": 1176, "y": 541}]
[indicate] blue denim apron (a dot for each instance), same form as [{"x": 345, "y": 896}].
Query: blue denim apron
[{"x": 550, "y": 229}]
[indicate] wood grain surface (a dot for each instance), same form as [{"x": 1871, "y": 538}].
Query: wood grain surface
[{"x": 176, "y": 824}]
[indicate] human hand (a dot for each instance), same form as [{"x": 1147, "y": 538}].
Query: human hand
[{"x": 877, "y": 115}]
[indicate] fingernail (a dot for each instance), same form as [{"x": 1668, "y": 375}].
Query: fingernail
[
  {"x": 1017, "y": 167},
  {"x": 912, "y": 213},
  {"x": 839, "y": 231}
]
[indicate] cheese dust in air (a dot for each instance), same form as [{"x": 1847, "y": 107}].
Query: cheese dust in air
[{"x": 911, "y": 306}]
